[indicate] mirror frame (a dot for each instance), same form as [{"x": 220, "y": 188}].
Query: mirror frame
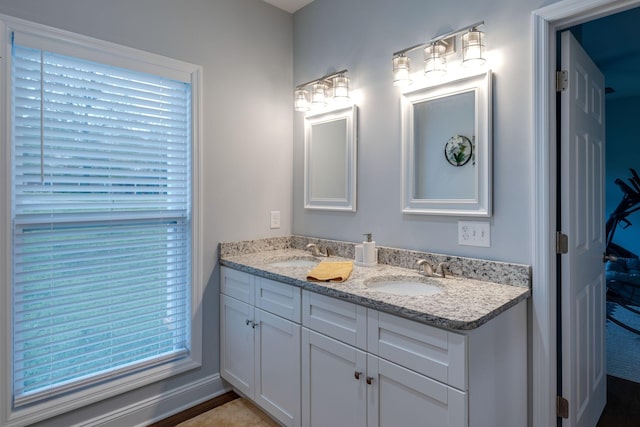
[
  {"x": 348, "y": 203},
  {"x": 481, "y": 204}
]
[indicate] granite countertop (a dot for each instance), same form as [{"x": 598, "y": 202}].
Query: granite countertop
[{"x": 463, "y": 304}]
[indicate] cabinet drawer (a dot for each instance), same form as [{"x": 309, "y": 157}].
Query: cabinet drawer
[
  {"x": 236, "y": 284},
  {"x": 278, "y": 298},
  {"x": 342, "y": 320},
  {"x": 433, "y": 352}
]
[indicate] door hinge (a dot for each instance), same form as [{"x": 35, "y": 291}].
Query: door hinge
[
  {"x": 562, "y": 80},
  {"x": 562, "y": 243},
  {"x": 562, "y": 407}
]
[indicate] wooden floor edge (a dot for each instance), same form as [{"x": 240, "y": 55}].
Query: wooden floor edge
[{"x": 196, "y": 410}]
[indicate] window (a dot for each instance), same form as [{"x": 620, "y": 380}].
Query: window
[{"x": 102, "y": 218}]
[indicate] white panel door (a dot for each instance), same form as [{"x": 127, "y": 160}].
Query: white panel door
[
  {"x": 334, "y": 384},
  {"x": 582, "y": 219},
  {"x": 400, "y": 397},
  {"x": 277, "y": 367},
  {"x": 236, "y": 343}
]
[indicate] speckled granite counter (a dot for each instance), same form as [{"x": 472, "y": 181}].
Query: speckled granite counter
[{"x": 467, "y": 300}]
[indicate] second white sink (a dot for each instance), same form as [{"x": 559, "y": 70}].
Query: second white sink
[
  {"x": 408, "y": 286},
  {"x": 295, "y": 261}
]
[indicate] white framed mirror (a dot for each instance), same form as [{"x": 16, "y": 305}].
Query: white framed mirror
[
  {"x": 330, "y": 153},
  {"x": 446, "y": 148}
]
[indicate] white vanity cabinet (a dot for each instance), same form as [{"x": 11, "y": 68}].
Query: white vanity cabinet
[
  {"x": 342, "y": 385},
  {"x": 406, "y": 373},
  {"x": 349, "y": 365},
  {"x": 345, "y": 382},
  {"x": 260, "y": 342}
]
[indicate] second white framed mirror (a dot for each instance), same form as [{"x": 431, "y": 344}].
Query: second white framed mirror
[
  {"x": 446, "y": 148},
  {"x": 330, "y": 159}
]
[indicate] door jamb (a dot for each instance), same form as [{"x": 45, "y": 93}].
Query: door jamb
[{"x": 545, "y": 23}]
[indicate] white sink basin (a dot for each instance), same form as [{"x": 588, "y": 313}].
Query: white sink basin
[
  {"x": 407, "y": 286},
  {"x": 295, "y": 261}
]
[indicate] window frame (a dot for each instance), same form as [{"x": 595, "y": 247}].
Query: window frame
[{"x": 72, "y": 44}]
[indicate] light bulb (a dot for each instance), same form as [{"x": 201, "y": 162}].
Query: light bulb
[
  {"x": 301, "y": 100},
  {"x": 435, "y": 64},
  {"x": 401, "y": 71},
  {"x": 319, "y": 94},
  {"x": 473, "y": 48},
  {"x": 341, "y": 89}
]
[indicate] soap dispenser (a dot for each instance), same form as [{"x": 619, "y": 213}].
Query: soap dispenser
[{"x": 369, "y": 251}]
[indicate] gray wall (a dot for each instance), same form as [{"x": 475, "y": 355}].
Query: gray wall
[
  {"x": 361, "y": 35},
  {"x": 245, "y": 48}
]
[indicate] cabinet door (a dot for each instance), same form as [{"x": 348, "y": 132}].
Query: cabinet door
[
  {"x": 400, "y": 397},
  {"x": 332, "y": 395},
  {"x": 277, "y": 367},
  {"x": 236, "y": 343}
]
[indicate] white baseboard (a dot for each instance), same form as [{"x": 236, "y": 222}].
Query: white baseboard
[{"x": 145, "y": 412}]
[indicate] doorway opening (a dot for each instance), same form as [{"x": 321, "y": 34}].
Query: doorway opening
[
  {"x": 547, "y": 21},
  {"x": 619, "y": 63}
]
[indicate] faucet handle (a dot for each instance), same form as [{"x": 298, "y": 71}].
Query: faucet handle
[{"x": 441, "y": 269}]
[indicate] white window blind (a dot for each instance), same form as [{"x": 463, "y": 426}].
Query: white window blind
[{"x": 101, "y": 211}]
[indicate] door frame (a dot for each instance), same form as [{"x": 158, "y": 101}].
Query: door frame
[{"x": 545, "y": 23}]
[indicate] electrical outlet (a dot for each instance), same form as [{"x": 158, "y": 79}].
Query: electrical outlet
[
  {"x": 474, "y": 233},
  {"x": 275, "y": 219}
]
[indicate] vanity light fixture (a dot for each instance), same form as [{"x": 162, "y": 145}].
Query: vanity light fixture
[
  {"x": 436, "y": 50},
  {"x": 473, "y": 48},
  {"x": 316, "y": 92}
]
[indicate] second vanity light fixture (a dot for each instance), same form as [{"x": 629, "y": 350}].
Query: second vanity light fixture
[
  {"x": 435, "y": 52},
  {"x": 317, "y": 92}
]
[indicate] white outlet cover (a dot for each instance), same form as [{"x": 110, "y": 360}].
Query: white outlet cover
[{"x": 474, "y": 233}]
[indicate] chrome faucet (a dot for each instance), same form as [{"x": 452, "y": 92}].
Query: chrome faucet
[
  {"x": 427, "y": 269},
  {"x": 316, "y": 251},
  {"x": 424, "y": 267}
]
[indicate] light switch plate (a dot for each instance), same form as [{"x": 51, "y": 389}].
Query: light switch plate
[
  {"x": 474, "y": 233},
  {"x": 275, "y": 219}
]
